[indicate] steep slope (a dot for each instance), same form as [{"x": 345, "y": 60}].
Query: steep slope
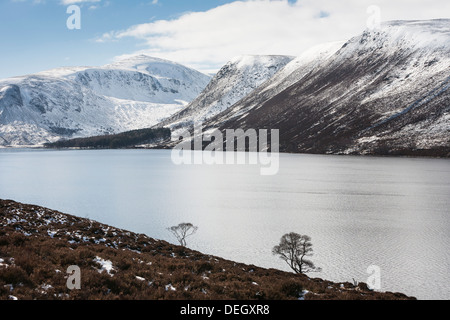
[
  {"x": 131, "y": 94},
  {"x": 235, "y": 80},
  {"x": 385, "y": 91},
  {"x": 287, "y": 76}
]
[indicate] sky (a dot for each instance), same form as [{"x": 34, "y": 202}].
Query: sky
[{"x": 202, "y": 34}]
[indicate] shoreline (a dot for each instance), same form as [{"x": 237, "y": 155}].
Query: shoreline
[{"x": 392, "y": 156}]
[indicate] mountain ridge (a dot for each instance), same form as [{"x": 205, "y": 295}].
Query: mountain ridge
[
  {"x": 235, "y": 80},
  {"x": 346, "y": 106}
]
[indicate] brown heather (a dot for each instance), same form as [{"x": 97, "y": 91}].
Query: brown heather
[{"x": 37, "y": 245}]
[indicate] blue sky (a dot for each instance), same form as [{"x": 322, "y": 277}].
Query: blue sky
[
  {"x": 203, "y": 34},
  {"x": 35, "y": 36}
]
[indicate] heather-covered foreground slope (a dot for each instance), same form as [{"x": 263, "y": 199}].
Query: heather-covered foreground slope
[{"x": 37, "y": 245}]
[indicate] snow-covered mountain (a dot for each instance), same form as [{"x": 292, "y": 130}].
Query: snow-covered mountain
[
  {"x": 386, "y": 91},
  {"x": 131, "y": 94},
  {"x": 234, "y": 81},
  {"x": 287, "y": 76}
]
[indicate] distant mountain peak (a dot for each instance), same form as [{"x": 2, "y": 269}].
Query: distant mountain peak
[
  {"x": 138, "y": 60},
  {"x": 157, "y": 67},
  {"x": 235, "y": 80},
  {"x": 133, "y": 93}
]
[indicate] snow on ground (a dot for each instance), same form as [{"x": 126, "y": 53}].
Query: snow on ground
[
  {"x": 170, "y": 287},
  {"x": 3, "y": 264},
  {"x": 105, "y": 265}
]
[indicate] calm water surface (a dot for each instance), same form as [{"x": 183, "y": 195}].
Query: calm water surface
[{"x": 359, "y": 211}]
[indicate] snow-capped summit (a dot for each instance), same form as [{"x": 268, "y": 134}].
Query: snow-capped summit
[
  {"x": 82, "y": 101},
  {"x": 156, "y": 67},
  {"x": 238, "y": 78},
  {"x": 145, "y": 78},
  {"x": 185, "y": 80},
  {"x": 414, "y": 33},
  {"x": 287, "y": 76}
]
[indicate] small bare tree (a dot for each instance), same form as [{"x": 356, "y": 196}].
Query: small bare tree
[
  {"x": 293, "y": 249},
  {"x": 182, "y": 231}
]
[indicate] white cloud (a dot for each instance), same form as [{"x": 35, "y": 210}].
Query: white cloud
[{"x": 206, "y": 40}]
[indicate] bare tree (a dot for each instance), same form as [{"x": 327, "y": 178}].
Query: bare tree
[
  {"x": 182, "y": 231},
  {"x": 293, "y": 249}
]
